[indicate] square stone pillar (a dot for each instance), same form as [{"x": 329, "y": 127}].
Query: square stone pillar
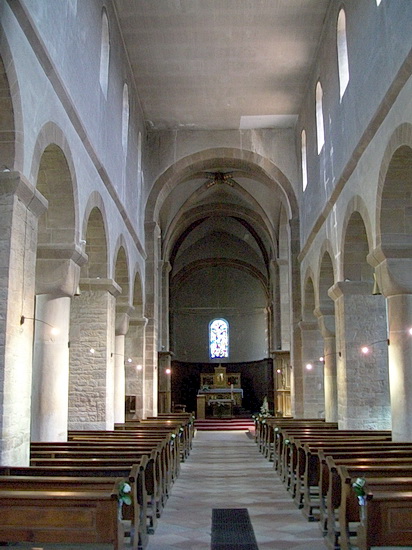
[
  {"x": 20, "y": 207},
  {"x": 313, "y": 389},
  {"x": 363, "y": 380},
  {"x": 92, "y": 341}
]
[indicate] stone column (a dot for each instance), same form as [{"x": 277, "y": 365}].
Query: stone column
[
  {"x": 135, "y": 371},
  {"x": 122, "y": 327},
  {"x": 165, "y": 384},
  {"x": 164, "y": 268},
  {"x": 313, "y": 391},
  {"x": 57, "y": 276},
  {"x": 330, "y": 379},
  {"x": 151, "y": 313},
  {"x": 326, "y": 323},
  {"x": 295, "y": 308},
  {"x": 395, "y": 282},
  {"x": 50, "y": 369},
  {"x": 363, "y": 380},
  {"x": 20, "y": 207},
  {"x": 92, "y": 341},
  {"x": 275, "y": 335},
  {"x": 119, "y": 380}
]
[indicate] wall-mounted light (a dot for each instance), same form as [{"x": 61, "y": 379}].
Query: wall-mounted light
[
  {"x": 53, "y": 330},
  {"x": 168, "y": 371},
  {"x": 366, "y": 349}
]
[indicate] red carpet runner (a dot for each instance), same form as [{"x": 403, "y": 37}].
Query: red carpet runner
[{"x": 243, "y": 424}]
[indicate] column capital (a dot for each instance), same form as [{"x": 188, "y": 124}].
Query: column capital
[
  {"x": 393, "y": 276},
  {"x": 138, "y": 321},
  {"x": 100, "y": 285},
  {"x": 14, "y": 183},
  {"x": 326, "y": 322},
  {"x": 58, "y": 268},
  {"x": 350, "y": 288},
  {"x": 306, "y": 326}
]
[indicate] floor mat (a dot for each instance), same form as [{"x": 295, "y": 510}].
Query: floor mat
[{"x": 232, "y": 530}]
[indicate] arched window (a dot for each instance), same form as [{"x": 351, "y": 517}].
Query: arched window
[
  {"x": 319, "y": 117},
  {"x": 125, "y": 118},
  {"x": 218, "y": 339},
  {"x": 304, "y": 161},
  {"x": 104, "y": 54},
  {"x": 343, "y": 63}
]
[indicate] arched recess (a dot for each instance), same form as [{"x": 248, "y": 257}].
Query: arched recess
[
  {"x": 392, "y": 259},
  {"x": 11, "y": 124},
  {"x": 122, "y": 275},
  {"x": 96, "y": 246},
  {"x": 312, "y": 349},
  {"x": 355, "y": 251}
]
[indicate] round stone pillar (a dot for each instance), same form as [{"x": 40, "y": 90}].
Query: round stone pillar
[
  {"x": 400, "y": 365},
  {"x": 326, "y": 321},
  {"x": 50, "y": 368},
  {"x": 119, "y": 380},
  {"x": 330, "y": 379},
  {"x": 395, "y": 282}
]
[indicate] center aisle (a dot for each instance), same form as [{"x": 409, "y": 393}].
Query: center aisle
[{"x": 226, "y": 470}]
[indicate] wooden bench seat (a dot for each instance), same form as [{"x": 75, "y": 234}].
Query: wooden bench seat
[
  {"x": 386, "y": 520},
  {"x": 344, "y": 510},
  {"x": 61, "y": 517},
  {"x": 315, "y": 458},
  {"x": 153, "y": 483},
  {"x": 93, "y": 479}
]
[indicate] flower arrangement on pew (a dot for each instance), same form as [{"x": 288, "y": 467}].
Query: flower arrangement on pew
[
  {"x": 124, "y": 496},
  {"x": 358, "y": 487}
]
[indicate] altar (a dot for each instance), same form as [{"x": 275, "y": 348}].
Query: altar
[{"x": 219, "y": 394}]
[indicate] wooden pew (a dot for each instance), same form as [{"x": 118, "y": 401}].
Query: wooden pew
[
  {"x": 343, "y": 504},
  {"x": 170, "y": 461},
  {"x": 300, "y": 470},
  {"x": 386, "y": 520},
  {"x": 155, "y": 496},
  {"x": 90, "y": 478},
  {"x": 315, "y": 459},
  {"x": 182, "y": 429},
  {"x": 61, "y": 517}
]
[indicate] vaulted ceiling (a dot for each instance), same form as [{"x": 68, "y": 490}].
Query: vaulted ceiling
[{"x": 221, "y": 64}]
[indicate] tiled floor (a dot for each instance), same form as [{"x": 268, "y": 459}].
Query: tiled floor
[{"x": 226, "y": 470}]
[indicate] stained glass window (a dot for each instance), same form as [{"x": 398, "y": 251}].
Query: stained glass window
[{"x": 219, "y": 338}]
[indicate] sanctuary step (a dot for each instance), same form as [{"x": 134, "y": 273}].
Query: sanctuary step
[{"x": 243, "y": 424}]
